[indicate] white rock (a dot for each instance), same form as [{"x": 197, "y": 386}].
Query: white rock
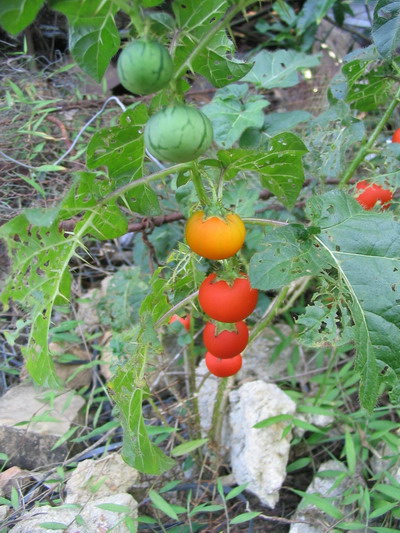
[
  {"x": 386, "y": 459},
  {"x": 100, "y": 478},
  {"x": 323, "y": 487},
  {"x": 259, "y": 456},
  {"x": 96, "y": 520}
]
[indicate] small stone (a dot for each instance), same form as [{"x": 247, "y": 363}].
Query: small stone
[
  {"x": 13, "y": 477},
  {"x": 259, "y": 456},
  {"x": 99, "y": 478},
  {"x": 92, "y": 518},
  {"x": 322, "y": 487},
  {"x": 29, "y": 446}
]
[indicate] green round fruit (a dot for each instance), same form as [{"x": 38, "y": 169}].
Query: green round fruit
[
  {"x": 144, "y": 67},
  {"x": 178, "y": 134}
]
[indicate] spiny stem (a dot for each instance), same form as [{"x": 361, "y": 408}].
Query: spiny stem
[
  {"x": 198, "y": 184},
  {"x": 218, "y": 412},
  {"x": 264, "y": 221},
  {"x": 145, "y": 179},
  {"x": 365, "y": 149}
]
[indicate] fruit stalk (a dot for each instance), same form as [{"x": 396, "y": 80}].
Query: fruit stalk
[{"x": 364, "y": 150}]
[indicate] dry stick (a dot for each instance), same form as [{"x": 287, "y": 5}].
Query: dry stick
[{"x": 364, "y": 150}]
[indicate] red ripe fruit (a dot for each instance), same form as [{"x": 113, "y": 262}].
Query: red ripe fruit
[
  {"x": 184, "y": 321},
  {"x": 396, "y": 136},
  {"x": 223, "y": 368},
  {"x": 371, "y": 194},
  {"x": 227, "y": 343},
  {"x": 227, "y": 303}
]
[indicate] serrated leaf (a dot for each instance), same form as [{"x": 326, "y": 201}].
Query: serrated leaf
[
  {"x": 188, "y": 447},
  {"x": 386, "y": 27},
  {"x": 287, "y": 257},
  {"x": 279, "y": 69},
  {"x": 365, "y": 249},
  {"x": 94, "y": 37},
  {"x": 18, "y": 14},
  {"x": 280, "y": 167},
  {"x": 137, "y": 450},
  {"x": 233, "y": 110}
]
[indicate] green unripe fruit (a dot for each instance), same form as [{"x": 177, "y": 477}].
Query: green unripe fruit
[
  {"x": 178, "y": 134},
  {"x": 144, "y": 67}
]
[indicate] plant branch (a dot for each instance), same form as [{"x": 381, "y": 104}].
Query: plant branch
[
  {"x": 364, "y": 150},
  {"x": 264, "y": 221}
]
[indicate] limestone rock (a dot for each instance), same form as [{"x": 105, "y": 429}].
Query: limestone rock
[
  {"x": 13, "y": 477},
  {"x": 29, "y": 446},
  {"x": 96, "y": 520},
  {"x": 313, "y": 517},
  {"x": 259, "y": 456},
  {"x": 100, "y": 478}
]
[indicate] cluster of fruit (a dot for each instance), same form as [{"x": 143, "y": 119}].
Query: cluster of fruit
[
  {"x": 370, "y": 193},
  {"x": 179, "y": 132}
]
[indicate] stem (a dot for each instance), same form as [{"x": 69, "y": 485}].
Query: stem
[
  {"x": 200, "y": 190},
  {"x": 264, "y": 221},
  {"x": 187, "y": 64},
  {"x": 145, "y": 179},
  {"x": 364, "y": 150},
  {"x": 218, "y": 413}
]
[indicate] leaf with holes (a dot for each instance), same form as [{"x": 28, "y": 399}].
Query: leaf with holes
[
  {"x": 280, "y": 167},
  {"x": 367, "y": 88},
  {"x": 289, "y": 254},
  {"x": 279, "y": 69},
  {"x": 232, "y": 110},
  {"x": 386, "y": 27},
  {"x": 93, "y": 35},
  {"x": 365, "y": 249}
]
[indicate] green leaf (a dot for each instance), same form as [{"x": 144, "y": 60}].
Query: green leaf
[
  {"x": 163, "y": 505},
  {"x": 205, "y": 508},
  {"x": 350, "y": 452},
  {"x": 138, "y": 451},
  {"x": 312, "y": 12},
  {"x": 330, "y": 136},
  {"x": 236, "y": 491},
  {"x": 275, "y": 123},
  {"x": 244, "y": 517},
  {"x": 366, "y": 90},
  {"x": 67, "y": 435},
  {"x": 94, "y": 37},
  {"x": 114, "y": 507},
  {"x": 386, "y": 27},
  {"x": 119, "y": 307},
  {"x": 298, "y": 464},
  {"x": 188, "y": 447},
  {"x": 232, "y": 110},
  {"x": 215, "y": 61},
  {"x": 322, "y": 503},
  {"x": 364, "y": 247},
  {"x": 53, "y": 525},
  {"x": 18, "y": 14},
  {"x": 279, "y": 69},
  {"x": 388, "y": 490},
  {"x": 280, "y": 167},
  {"x": 287, "y": 257},
  {"x": 273, "y": 420}
]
